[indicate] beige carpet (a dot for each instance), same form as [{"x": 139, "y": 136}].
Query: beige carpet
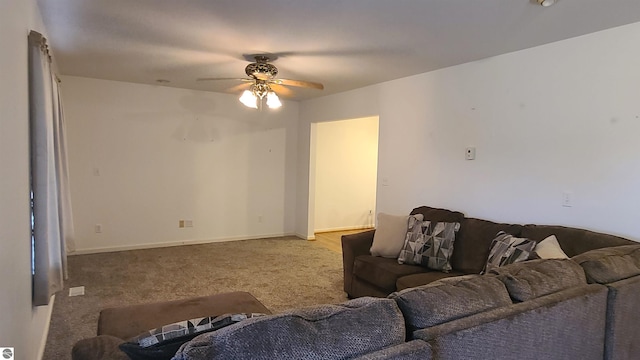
[{"x": 282, "y": 273}]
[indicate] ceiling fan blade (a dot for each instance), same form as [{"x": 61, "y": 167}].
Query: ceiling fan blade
[
  {"x": 260, "y": 76},
  {"x": 282, "y": 91},
  {"x": 298, "y": 83},
  {"x": 238, "y": 88},
  {"x": 215, "y": 79}
]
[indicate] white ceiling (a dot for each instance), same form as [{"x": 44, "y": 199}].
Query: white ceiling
[{"x": 342, "y": 44}]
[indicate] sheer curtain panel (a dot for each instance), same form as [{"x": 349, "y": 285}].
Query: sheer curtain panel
[{"x": 49, "y": 181}]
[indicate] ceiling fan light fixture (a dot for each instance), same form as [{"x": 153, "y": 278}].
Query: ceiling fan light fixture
[
  {"x": 261, "y": 74},
  {"x": 249, "y": 99},
  {"x": 273, "y": 101}
]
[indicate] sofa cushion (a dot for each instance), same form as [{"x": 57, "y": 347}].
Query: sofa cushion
[
  {"x": 420, "y": 279},
  {"x": 549, "y": 249},
  {"x": 430, "y": 245},
  {"x": 449, "y": 299},
  {"x": 573, "y": 241},
  {"x": 611, "y": 264},
  {"x": 473, "y": 242},
  {"x": 391, "y": 231},
  {"x": 383, "y": 272},
  {"x": 507, "y": 249},
  {"x": 348, "y": 330},
  {"x": 532, "y": 279}
]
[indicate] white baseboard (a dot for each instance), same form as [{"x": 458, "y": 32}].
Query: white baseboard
[
  {"x": 305, "y": 237},
  {"x": 345, "y": 228},
  {"x": 173, "y": 243},
  {"x": 43, "y": 341}
]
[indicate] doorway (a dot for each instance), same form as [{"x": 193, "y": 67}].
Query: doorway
[{"x": 343, "y": 174}]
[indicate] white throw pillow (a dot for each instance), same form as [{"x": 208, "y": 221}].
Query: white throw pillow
[
  {"x": 550, "y": 249},
  {"x": 391, "y": 231}
]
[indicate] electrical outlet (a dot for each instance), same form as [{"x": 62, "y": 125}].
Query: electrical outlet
[
  {"x": 188, "y": 223},
  {"x": 97, "y": 228},
  {"x": 181, "y": 223}
]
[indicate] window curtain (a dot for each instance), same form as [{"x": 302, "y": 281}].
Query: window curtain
[{"x": 52, "y": 224}]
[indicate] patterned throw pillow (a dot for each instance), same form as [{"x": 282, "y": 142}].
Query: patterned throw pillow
[
  {"x": 507, "y": 249},
  {"x": 163, "y": 342},
  {"x": 430, "y": 245}
]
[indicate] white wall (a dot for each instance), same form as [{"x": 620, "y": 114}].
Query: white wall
[
  {"x": 346, "y": 167},
  {"x": 23, "y": 326},
  {"x": 143, "y": 157},
  {"x": 559, "y": 117}
]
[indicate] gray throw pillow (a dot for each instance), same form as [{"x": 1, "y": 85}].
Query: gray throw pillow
[
  {"x": 507, "y": 249},
  {"x": 430, "y": 245},
  {"x": 391, "y": 231}
]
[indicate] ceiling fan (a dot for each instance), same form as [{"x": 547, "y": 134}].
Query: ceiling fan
[{"x": 262, "y": 77}]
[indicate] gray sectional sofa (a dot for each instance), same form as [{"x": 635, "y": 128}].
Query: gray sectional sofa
[
  {"x": 539, "y": 309},
  {"x": 582, "y": 308}
]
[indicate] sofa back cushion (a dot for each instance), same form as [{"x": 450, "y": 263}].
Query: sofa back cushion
[
  {"x": 449, "y": 299},
  {"x": 348, "y": 330},
  {"x": 532, "y": 279},
  {"x": 573, "y": 241},
  {"x": 606, "y": 265},
  {"x": 472, "y": 244},
  {"x": 436, "y": 214}
]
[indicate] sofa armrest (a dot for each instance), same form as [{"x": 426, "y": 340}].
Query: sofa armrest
[{"x": 353, "y": 246}]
